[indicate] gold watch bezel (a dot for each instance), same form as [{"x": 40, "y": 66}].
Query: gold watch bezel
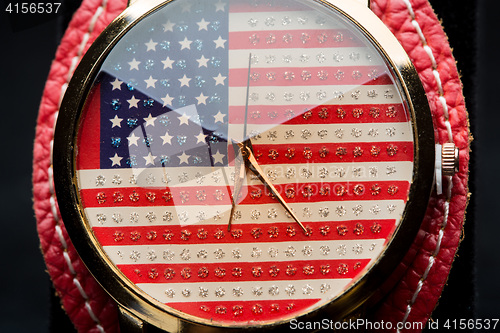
[{"x": 126, "y": 294}]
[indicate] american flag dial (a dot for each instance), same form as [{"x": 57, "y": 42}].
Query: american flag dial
[{"x": 157, "y": 158}]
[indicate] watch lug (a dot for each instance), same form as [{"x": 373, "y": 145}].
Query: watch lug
[{"x": 130, "y": 323}]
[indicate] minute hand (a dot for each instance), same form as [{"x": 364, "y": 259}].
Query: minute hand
[{"x": 252, "y": 164}]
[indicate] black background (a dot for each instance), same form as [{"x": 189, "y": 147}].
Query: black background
[{"x": 27, "y": 47}]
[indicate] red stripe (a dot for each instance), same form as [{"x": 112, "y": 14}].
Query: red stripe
[
  {"x": 244, "y": 233},
  {"x": 243, "y": 271},
  {"x": 259, "y": 39},
  {"x": 337, "y": 152},
  {"x": 88, "y": 156},
  {"x": 310, "y": 76},
  {"x": 256, "y": 194},
  {"x": 331, "y": 114},
  {"x": 230, "y": 311}
]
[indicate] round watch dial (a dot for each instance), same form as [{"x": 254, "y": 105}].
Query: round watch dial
[{"x": 176, "y": 203}]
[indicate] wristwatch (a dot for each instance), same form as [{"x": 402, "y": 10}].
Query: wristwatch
[{"x": 251, "y": 165}]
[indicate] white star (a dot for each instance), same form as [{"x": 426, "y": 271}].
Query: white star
[
  {"x": 184, "y": 119},
  {"x": 202, "y": 62},
  {"x": 150, "y": 159},
  {"x": 132, "y": 103},
  {"x": 167, "y": 138},
  {"x": 185, "y": 44},
  {"x": 219, "y": 117},
  {"x": 117, "y": 84},
  {"x": 150, "y": 82},
  {"x": 169, "y": 26},
  {"x": 200, "y": 138},
  {"x": 219, "y": 6},
  {"x": 202, "y": 99},
  {"x": 167, "y": 63},
  {"x": 219, "y": 79},
  {"x": 151, "y": 45},
  {"x": 184, "y": 81},
  {"x": 202, "y": 25},
  {"x": 150, "y": 120},
  {"x": 132, "y": 140},
  {"x": 167, "y": 100},
  {"x": 218, "y": 157},
  {"x": 219, "y": 42},
  {"x": 116, "y": 160},
  {"x": 184, "y": 158},
  {"x": 116, "y": 121},
  {"x": 134, "y": 64}
]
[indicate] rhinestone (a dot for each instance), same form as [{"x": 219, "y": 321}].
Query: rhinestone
[
  {"x": 307, "y": 212},
  {"x": 257, "y": 309},
  {"x": 306, "y": 75},
  {"x": 290, "y": 251},
  {"x": 220, "y": 272},
  {"x": 237, "y": 292},
  {"x": 220, "y": 310},
  {"x": 305, "y": 37},
  {"x": 186, "y": 293},
  {"x": 170, "y": 293},
  {"x": 376, "y": 228},
  {"x": 257, "y": 271},
  {"x": 237, "y": 272},
  {"x": 324, "y": 230},
  {"x": 290, "y": 290},
  {"x": 186, "y": 273},
  {"x": 287, "y": 58},
  {"x": 357, "y": 249},
  {"x": 288, "y": 96},
  {"x": 308, "y": 270},
  {"x": 256, "y": 252},
  {"x": 219, "y": 254},
  {"x": 237, "y": 253},
  {"x": 256, "y": 232},
  {"x": 274, "y": 290},
  {"x": 202, "y": 254},
  {"x": 392, "y": 189},
  {"x": 342, "y": 250},
  {"x": 325, "y": 269},
  {"x": 342, "y": 230},
  {"x": 324, "y": 288},
  {"x": 324, "y": 212},
  {"x": 322, "y": 75},
  {"x": 168, "y": 235},
  {"x": 271, "y": 39},
  {"x": 320, "y": 57},
  {"x": 203, "y": 292},
  {"x": 358, "y": 229},
  {"x": 291, "y": 270},
  {"x": 273, "y": 252},
  {"x": 375, "y": 210},
  {"x": 321, "y": 95},
  {"x": 269, "y": 21},
  {"x": 287, "y": 38},
  {"x": 255, "y": 214},
  {"x": 342, "y": 269},
  {"x": 358, "y": 209},
  {"x": 307, "y": 250},
  {"x": 307, "y": 289},
  {"x": 169, "y": 274},
  {"x": 391, "y": 112},
  {"x": 257, "y": 291},
  {"x": 252, "y": 22},
  {"x": 168, "y": 255},
  {"x": 254, "y": 39},
  {"x": 185, "y": 255}
]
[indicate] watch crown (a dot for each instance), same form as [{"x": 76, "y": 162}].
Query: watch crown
[{"x": 449, "y": 159}]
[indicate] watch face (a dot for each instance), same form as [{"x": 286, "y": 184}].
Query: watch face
[{"x": 201, "y": 116}]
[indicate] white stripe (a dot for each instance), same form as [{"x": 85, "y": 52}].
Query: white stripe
[
  {"x": 121, "y": 254},
  {"x": 348, "y": 133},
  {"x": 278, "y": 21},
  {"x": 237, "y": 95},
  {"x": 247, "y": 287},
  {"x": 336, "y": 172},
  {"x": 293, "y": 58},
  {"x": 188, "y": 215}
]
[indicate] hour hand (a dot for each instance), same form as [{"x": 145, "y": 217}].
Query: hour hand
[{"x": 251, "y": 162}]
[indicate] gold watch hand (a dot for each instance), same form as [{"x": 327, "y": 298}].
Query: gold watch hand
[{"x": 247, "y": 152}]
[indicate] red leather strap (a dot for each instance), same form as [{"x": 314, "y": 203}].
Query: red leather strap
[
  {"x": 418, "y": 29},
  {"x": 88, "y": 306},
  {"x": 412, "y": 299}
]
